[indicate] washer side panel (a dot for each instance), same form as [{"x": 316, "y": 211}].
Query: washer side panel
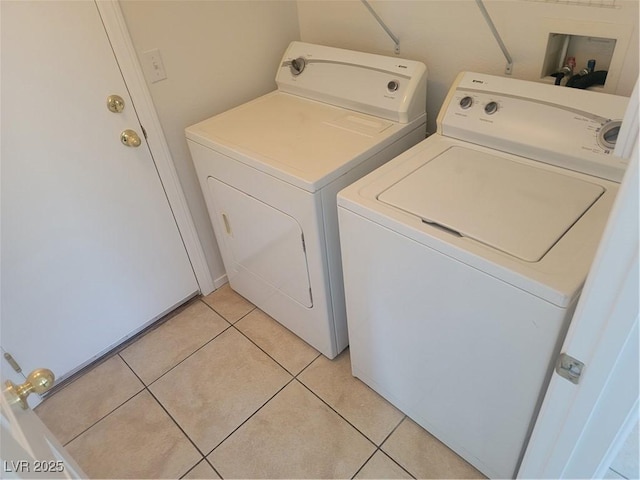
[{"x": 462, "y": 353}]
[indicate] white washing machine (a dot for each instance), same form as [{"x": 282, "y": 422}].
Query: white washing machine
[
  {"x": 464, "y": 258},
  {"x": 270, "y": 171}
]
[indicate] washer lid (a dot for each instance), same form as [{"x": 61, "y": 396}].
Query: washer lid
[{"x": 513, "y": 207}]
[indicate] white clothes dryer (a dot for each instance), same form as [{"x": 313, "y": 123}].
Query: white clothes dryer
[
  {"x": 464, "y": 258},
  {"x": 270, "y": 171}
]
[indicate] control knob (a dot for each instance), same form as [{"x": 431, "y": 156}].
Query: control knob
[
  {"x": 297, "y": 66},
  {"x": 491, "y": 108},
  {"x": 609, "y": 134},
  {"x": 466, "y": 102}
]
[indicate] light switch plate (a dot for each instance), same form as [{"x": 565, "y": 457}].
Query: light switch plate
[{"x": 153, "y": 66}]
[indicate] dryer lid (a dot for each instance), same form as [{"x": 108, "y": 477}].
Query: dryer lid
[
  {"x": 516, "y": 208},
  {"x": 303, "y": 142}
]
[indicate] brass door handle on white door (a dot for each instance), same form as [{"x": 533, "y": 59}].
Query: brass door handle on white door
[
  {"x": 130, "y": 138},
  {"x": 115, "y": 103},
  {"x": 38, "y": 381}
]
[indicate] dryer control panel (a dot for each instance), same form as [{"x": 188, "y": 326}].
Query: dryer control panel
[
  {"x": 387, "y": 87},
  {"x": 570, "y": 128}
]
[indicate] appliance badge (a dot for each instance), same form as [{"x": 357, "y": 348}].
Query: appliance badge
[{"x": 476, "y": 81}]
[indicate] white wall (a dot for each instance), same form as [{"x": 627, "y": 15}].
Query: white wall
[
  {"x": 216, "y": 54},
  {"x": 451, "y": 35},
  {"x": 219, "y": 54}
]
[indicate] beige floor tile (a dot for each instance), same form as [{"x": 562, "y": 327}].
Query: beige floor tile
[
  {"x": 228, "y": 303},
  {"x": 164, "y": 347},
  {"x": 295, "y": 435},
  {"x": 216, "y": 389},
  {"x": 424, "y": 456},
  {"x": 284, "y": 347},
  {"x": 138, "y": 440},
  {"x": 202, "y": 470},
  {"x": 332, "y": 381},
  {"x": 89, "y": 398},
  {"x": 381, "y": 466}
]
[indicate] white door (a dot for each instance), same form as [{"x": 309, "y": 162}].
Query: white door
[
  {"x": 581, "y": 426},
  {"x": 90, "y": 251},
  {"x": 27, "y": 448}
]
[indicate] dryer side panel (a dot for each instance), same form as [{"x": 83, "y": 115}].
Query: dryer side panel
[{"x": 261, "y": 209}]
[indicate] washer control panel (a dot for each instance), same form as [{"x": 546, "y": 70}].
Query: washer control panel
[{"x": 567, "y": 127}]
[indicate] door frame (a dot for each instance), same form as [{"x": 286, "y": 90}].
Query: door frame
[{"x": 126, "y": 57}]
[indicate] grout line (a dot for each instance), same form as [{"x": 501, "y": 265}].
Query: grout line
[
  {"x": 214, "y": 468},
  {"x": 251, "y": 416},
  {"x": 231, "y": 326},
  {"x": 201, "y": 298},
  {"x": 204, "y": 457},
  {"x": 188, "y": 356},
  {"x": 294, "y": 375},
  {"x": 405, "y": 417},
  {"x": 394, "y": 429},
  {"x": 103, "y": 417},
  {"x": 192, "y": 468},
  {"x": 365, "y": 462},
  {"x": 307, "y": 366},
  {"x": 60, "y": 385},
  {"x": 167, "y": 412},
  {"x": 397, "y": 463},
  {"x": 378, "y": 447},
  {"x": 338, "y": 413},
  {"x": 115, "y": 408},
  {"x": 176, "y": 423},
  {"x": 120, "y": 348}
]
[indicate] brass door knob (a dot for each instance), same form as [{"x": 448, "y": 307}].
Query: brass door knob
[
  {"x": 130, "y": 138},
  {"x": 38, "y": 381},
  {"x": 115, "y": 103}
]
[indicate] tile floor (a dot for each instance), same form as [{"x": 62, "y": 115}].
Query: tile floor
[{"x": 221, "y": 390}]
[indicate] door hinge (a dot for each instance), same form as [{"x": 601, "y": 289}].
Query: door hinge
[
  {"x": 569, "y": 368},
  {"x": 304, "y": 245},
  {"x": 12, "y": 361}
]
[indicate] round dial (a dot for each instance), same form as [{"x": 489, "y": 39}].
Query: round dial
[
  {"x": 297, "y": 66},
  {"x": 491, "y": 108},
  {"x": 608, "y": 135},
  {"x": 393, "y": 85},
  {"x": 466, "y": 102}
]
